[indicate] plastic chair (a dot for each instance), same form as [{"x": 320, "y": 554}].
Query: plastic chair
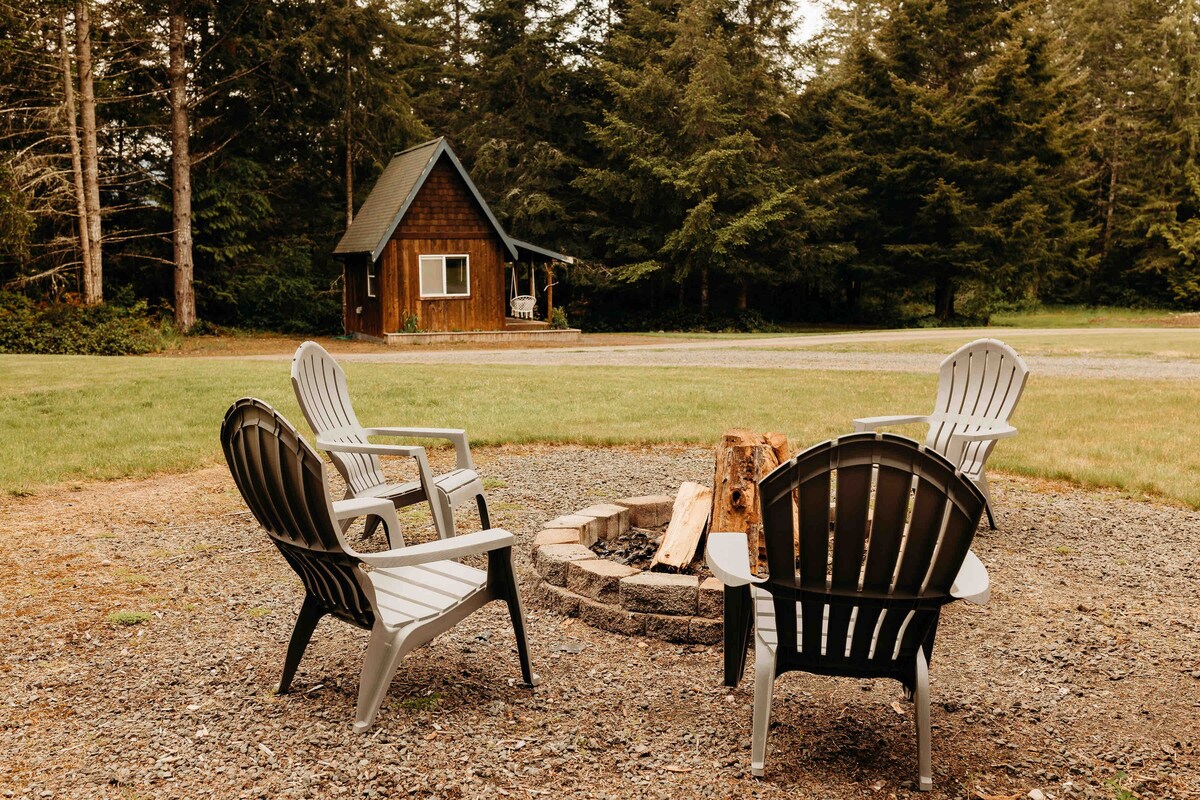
[
  {"x": 867, "y": 537},
  {"x": 404, "y": 596},
  {"x": 979, "y": 385},
  {"x": 324, "y": 398}
]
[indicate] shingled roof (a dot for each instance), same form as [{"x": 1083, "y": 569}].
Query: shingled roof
[{"x": 394, "y": 192}]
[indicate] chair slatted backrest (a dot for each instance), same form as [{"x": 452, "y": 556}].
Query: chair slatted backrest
[
  {"x": 978, "y": 387},
  {"x": 282, "y": 480},
  {"x": 867, "y": 532},
  {"x": 324, "y": 397}
]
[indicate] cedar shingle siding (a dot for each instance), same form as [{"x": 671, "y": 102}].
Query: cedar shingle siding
[{"x": 423, "y": 204}]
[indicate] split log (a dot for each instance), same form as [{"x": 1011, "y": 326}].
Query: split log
[
  {"x": 743, "y": 457},
  {"x": 688, "y": 520}
]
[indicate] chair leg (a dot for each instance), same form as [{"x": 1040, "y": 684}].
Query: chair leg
[
  {"x": 446, "y": 526},
  {"x": 981, "y": 481},
  {"x": 371, "y": 523},
  {"x": 921, "y": 695},
  {"x": 502, "y": 579},
  {"x": 310, "y": 614},
  {"x": 739, "y": 608},
  {"x": 384, "y": 651},
  {"x": 485, "y": 521},
  {"x": 764, "y": 687}
]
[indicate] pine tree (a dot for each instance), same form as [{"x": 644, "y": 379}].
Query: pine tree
[
  {"x": 692, "y": 184},
  {"x": 962, "y": 119}
]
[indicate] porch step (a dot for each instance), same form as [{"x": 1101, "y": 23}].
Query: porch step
[{"x": 513, "y": 324}]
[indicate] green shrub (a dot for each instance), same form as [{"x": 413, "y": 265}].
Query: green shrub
[
  {"x": 558, "y": 319},
  {"x": 69, "y": 329}
]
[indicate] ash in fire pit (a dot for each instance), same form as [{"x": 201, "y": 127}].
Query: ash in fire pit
[{"x": 634, "y": 548}]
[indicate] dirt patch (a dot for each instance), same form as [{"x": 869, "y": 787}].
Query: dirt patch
[{"x": 1080, "y": 678}]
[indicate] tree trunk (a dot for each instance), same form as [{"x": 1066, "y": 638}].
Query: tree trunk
[
  {"x": 93, "y": 271},
  {"x": 853, "y": 290},
  {"x": 743, "y": 300},
  {"x": 349, "y": 137},
  {"x": 704, "y": 292},
  {"x": 85, "y": 250},
  {"x": 943, "y": 298},
  {"x": 181, "y": 170},
  {"x": 549, "y": 294},
  {"x": 1110, "y": 204},
  {"x": 742, "y": 458},
  {"x": 458, "y": 15}
]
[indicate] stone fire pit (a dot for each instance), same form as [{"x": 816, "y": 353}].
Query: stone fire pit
[{"x": 606, "y": 594}]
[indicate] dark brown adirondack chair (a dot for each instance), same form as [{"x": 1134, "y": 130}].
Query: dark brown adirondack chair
[
  {"x": 885, "y": 530},
  {"x": 407, "y": 596}
]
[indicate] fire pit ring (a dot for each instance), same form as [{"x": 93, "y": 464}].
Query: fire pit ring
[{"x": 575, "y": 581}]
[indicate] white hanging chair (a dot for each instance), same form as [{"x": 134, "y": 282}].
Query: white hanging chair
[{"x": 522, "y": 304}]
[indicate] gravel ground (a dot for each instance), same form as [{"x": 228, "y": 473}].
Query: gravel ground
[
  {"x": 1081, "y": 678},
  {"x": 794, "y": 352}
]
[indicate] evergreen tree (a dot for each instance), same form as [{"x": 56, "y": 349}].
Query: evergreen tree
[
  {"x": 692, "y": 181},
  {"x": 963, "y": 123}
]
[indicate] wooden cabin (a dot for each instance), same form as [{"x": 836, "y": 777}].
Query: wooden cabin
[{"x": 425, "y": 244}]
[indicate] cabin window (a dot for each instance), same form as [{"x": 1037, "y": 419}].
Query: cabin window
[
  {"x": 370, "y": 279},
  {"x": 445, "y": 276}
]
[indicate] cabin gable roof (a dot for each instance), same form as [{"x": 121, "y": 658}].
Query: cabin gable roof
[{"x": 393, "y": 194}]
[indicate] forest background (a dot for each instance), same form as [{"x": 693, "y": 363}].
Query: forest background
[{"x": 913, "y": 162}]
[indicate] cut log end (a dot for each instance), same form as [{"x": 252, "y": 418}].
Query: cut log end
[{"x": 743, "y": 458}]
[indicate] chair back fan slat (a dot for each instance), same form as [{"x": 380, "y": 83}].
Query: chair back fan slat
[
  {"x": 324, "y": 397},
  {"x": 851, "y": 512},
  {"x": 929, "y": 509},
  {"x": 874, "y": 576},
  {"x": 893, "y": 489},
  {"x": 812, "y": 500},
  {"x": 282, "y": 480}
]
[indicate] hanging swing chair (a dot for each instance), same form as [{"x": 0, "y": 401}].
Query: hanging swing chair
[{"x": 522, "y": 304}]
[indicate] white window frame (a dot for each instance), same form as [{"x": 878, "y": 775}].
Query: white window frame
[
  {"x": 370, "y": 279},
  {"x": 443, "y": 256}
]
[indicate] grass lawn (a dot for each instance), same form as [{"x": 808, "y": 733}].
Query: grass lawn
[
  {"x": 1095, "y": 317},
  {"x": 74, "y": 418},
  {"x": 1161, "y": 343}
]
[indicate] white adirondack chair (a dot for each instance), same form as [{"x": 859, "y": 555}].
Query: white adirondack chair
[
  {"x": 522, "y": 306},
  {"x": 408, "y": 595},
  {"x": 859, "y": 569},
  {"x": 324, "y": 397},
  {"x": 979, "y": 385}
]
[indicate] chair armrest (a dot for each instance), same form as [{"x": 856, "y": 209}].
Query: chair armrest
[
  {"x": 412, "y": 451},
  {"x": 871, "y": 423},
  {"x": 972, "y": 583},
  {"x": 369, "y": 448},
  {"x": 729, "y": 559},
  {"x": 999, "y": 432},
  {"x": 456, "y": 436},
  {"x": 353, "y": 507},
  {"x": 440, "y": 550}
]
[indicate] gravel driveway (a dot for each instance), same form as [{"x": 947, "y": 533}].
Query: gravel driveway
[
  {"x": 799, "y": 352},
  {"x": 1080, "y": 678}
]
